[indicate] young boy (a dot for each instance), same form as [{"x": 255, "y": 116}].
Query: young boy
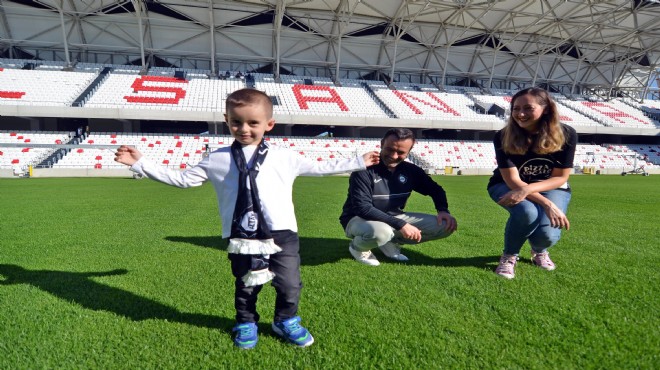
[{"x": 254, "y": 184}]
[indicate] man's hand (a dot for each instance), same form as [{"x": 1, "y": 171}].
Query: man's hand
[
  {"x": 371, "y": 158},
  {"x": 450, "y": 221},
  {"x": 127, "y": 155},
  {"x": 411, "y": 232}
]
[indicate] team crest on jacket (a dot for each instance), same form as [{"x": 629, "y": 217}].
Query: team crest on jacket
[{"x": 402, "y": 179}]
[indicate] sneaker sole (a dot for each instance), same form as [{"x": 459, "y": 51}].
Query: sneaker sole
[
  {"x": 281, "y": 335},
  {"x": 542, "y": 267},
  {"x": 398, "y": 257},
  {"x": 506, "y": 276},
  {"x": 363, "y": 261},
  {"x": 249, "y": 346}
]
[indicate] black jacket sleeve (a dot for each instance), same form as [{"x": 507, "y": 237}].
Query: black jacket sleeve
[{"x": 426, "y": 186}]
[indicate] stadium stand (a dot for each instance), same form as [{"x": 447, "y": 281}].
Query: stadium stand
[
  {"x": 162, "y": 92},
  {"x": 25, "y": 82},
  {"x": 180, "y": 151},
  {"x": 42, "y": 87},
  {"x": 432, "y": 105},
  {"x": 319, "y": 99},
  {"x": 18, "y": 158},
  {"x": 611, "y": 113}
]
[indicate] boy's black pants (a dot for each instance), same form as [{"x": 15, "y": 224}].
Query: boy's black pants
[{"x": 287, "y": 283}]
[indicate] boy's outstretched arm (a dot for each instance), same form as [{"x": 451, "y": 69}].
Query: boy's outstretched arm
[
  {"x": 127, "y": 155},
  {"x": 371, "y": 158}
]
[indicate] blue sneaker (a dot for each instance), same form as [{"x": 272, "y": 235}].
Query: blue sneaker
[
  {"x": 246, "y": 335},
  {"x": 293, "y": 332}
]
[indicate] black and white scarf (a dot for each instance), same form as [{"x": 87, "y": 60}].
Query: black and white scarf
[{"x": 249, "y": 232}]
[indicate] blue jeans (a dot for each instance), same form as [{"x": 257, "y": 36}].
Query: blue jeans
[{"x": 528, "y": 221}]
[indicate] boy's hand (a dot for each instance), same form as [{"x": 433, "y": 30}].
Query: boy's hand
[
  {"x": 371, "y": 158},
  {"x": 127, "y": 155}
]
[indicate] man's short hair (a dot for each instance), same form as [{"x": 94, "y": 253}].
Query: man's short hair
[
  {"x": 248, "y": 96},
  {"x": 399, "y": 134}
]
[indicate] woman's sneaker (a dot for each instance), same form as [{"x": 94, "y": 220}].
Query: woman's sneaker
[
  {"x": 293, "y": 332},
  {"x": 246, "y": 335},
  {"x": 543, "y": 261},
  {"x": 507, "y": 265}
]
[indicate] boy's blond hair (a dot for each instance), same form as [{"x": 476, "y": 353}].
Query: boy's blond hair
[{"x": 248, "y": 96}]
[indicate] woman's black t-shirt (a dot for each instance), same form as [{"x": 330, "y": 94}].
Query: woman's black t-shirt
[{"x": 534, "y": 167}]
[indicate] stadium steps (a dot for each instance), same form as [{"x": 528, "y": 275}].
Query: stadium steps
[
  {"x": 380, "y": 103},
  {"x": 80, "y": 100},
  {"x": 58, "y": 154}
]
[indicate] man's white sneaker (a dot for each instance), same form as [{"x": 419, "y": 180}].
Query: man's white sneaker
[
  {"x": 393, "y": 251},
  {"x": 366, "y": 257}
]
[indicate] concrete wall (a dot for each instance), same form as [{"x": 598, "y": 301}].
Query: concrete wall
[
  {"x": 90, "y": 172},
  {"x": 81, "y": 172}
]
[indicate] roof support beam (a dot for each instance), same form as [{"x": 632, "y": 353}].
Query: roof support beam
[
  {"x": 138, "y": 13},
  {"x": 279, "y": 16},
  {"x": 212, "y": 34},
  {"x": 64, "y": 38}
]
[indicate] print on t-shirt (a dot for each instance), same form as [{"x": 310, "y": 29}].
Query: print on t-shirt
[{"x": 536, "y": 169}]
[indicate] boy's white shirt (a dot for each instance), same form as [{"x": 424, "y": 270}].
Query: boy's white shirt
[{"x": 275, "y": 180}]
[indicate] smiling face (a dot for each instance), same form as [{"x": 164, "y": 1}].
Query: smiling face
[
  {"x": 394, "y": 151},
  {"x": 526, "y": 112},
  {"x": 249, "y": 122}
]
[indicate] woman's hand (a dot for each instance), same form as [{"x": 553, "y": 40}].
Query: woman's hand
[
  {"x": 557, "y": 218},
  {"x": 513, "y": 197}
]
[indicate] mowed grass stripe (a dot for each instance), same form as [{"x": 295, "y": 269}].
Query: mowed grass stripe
[{"x": 119, "y": 273}]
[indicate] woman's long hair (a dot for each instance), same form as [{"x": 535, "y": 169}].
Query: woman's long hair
[{"x": 550, "y": 137}]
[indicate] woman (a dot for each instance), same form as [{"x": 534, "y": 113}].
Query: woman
[{"x": 534, "y": 153}]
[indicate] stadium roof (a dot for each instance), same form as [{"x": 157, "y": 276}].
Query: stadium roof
[{"x": 595, "y": 45}]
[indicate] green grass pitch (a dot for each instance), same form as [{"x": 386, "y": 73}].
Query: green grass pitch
[{"x": 121, "y": 274}]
